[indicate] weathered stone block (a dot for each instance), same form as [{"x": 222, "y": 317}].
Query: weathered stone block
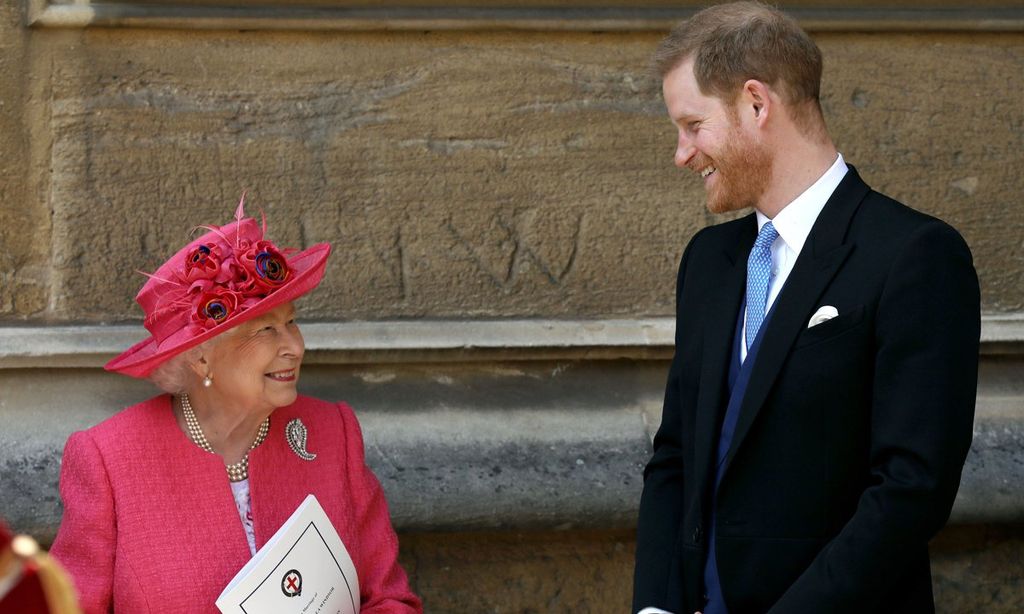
[
  {"x": 463, "y": 446},
  {"x": 24, "y": 221},
  {"x": 584, "y": 572},
  {"x": 469, "y": 174},
  {"x": 974, "y": 568},
  {"x": 977, "y": 568}
]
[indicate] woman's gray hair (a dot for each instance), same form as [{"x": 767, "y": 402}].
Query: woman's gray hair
[{"x": 176, "y": 376}]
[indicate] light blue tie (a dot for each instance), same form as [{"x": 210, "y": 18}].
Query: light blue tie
[{"x": 759, "y": 277}]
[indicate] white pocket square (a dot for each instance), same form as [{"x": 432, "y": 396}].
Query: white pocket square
[{"x": 823, "y": 314}]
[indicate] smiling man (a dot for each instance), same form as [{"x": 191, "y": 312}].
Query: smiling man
[{"x": 820, "y": 402}]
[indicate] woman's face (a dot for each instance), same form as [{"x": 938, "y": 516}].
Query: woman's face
[{"x": 256, "y": 365}]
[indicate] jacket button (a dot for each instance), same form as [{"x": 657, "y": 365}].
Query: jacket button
[{"x": 697, "y": 534}]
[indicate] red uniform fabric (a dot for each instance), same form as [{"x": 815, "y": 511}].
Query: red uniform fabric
[
  {"x": 27, "y": 596},
  {"x": 150, "y": 523}
]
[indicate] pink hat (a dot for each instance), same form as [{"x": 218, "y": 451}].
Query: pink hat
[{"x": 227, "y": 276}]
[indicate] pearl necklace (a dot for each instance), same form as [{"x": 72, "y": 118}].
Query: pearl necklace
[{"x": 236, "y": 471}]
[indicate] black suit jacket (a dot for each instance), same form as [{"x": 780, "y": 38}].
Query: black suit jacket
[{"x": 852, "y": 434}]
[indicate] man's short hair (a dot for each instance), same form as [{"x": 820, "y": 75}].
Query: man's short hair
[{"x": 731, "y": 43}]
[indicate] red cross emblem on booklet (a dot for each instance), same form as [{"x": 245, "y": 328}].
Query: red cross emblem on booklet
[{"x": 291, "y": 583}]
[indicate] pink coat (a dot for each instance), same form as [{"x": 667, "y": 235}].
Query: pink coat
[{"x": 150, "y": 524}]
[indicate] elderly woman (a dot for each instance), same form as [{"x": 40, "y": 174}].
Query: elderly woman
[{"x": 167, "y": 500}]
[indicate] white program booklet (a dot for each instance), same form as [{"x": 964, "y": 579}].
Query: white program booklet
[{"x": 303, "y": 569}]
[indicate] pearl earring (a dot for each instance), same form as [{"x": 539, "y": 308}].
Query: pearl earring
[{"x": 208, "y": 381}]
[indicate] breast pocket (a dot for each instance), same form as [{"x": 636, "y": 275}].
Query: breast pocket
[{"x": 830, "y": 329}]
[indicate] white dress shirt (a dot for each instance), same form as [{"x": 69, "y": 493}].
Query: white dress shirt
[{"x": 793, "y": 224}]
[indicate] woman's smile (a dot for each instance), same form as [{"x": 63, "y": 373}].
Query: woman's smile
[{"x": 282, "y": 376}]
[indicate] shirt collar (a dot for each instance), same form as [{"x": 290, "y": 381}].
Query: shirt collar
[{"x": 795, "y": 220}]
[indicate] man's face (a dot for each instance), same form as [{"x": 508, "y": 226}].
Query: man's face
[{"x": 716, "y": 144}]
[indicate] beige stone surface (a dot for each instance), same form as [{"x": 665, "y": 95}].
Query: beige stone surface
[
  {"x": 24, "y": 241},
  {"x": 933, "y": 121},
  {"x": 978, "y": 569},
  {"x": 522, "y": 573},
  {"x": 458, "y": 174},
  {"x": 974, "y": 568}
]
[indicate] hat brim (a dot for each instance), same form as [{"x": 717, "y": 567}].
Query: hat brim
[{"x": 142, "y": 358}]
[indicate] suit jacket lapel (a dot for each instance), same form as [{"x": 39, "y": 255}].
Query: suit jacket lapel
[
  {"x": 824, "y": 253},
  {"x": 722, "y": 310}
]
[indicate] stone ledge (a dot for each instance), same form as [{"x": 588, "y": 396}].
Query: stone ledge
[
  {"x": 466, "y": 446},
  {"x": 423, "y": 340},
  {"x": 572, "y": 478},
  {"x": 532, "y": 474}
]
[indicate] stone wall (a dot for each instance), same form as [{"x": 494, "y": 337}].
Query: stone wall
[
  {"x": 506, "y": 222},
  {"x": 459, "y": 174},
  {"x": 976, "y": 569}
]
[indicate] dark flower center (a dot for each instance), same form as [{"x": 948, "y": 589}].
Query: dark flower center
[
  {"x": 216, "y": 311},
  {"x": 199, "y": 255},
  {"x": 270, "y": 267}
]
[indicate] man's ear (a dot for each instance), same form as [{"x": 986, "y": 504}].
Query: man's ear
[{"x": 756, "y": 102}]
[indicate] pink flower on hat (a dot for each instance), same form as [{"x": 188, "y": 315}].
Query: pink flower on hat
[
  {"x": 216, "y": 305},
  {"x": 222, "y": 279},
  {"x": 203, "y": 262},
  {"x": 266, "y": 269}
]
